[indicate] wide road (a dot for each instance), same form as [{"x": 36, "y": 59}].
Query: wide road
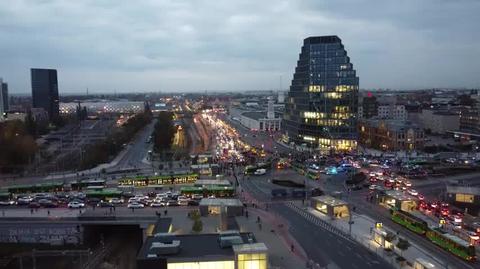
[
  {"x": 137, "y": 150},
  {"x": 321, "y": 245},
  {"x": 381, "y": 214}
]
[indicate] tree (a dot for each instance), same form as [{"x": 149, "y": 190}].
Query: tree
[
  {"x": 164, "y": 132},
  {"x": 403, "y": 245},
  {"x": 197, "y": 225}
]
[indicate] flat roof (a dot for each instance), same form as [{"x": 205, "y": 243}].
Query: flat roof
[
  {"x": 329, "y": 200},
  {"x": 218, "y": 182},
  {"x": 220, "y": 202},
  {"x": 250, "y": 248},
  {"x": 463, "y": 190},
  {"x": 398, "y": 195},
  {"x": 193, "y": 247}
]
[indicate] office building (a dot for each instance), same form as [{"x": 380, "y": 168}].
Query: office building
[
  {"x": 2, "y": 109},
  {"x": 322, "y": 103},
  {"x": 5, "y": 97},
  {"x": 391, "y": 135},
  {"x": 45, "y": 91}
]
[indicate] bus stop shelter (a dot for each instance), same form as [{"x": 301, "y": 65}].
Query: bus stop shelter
[{"x": 330, "y": 206}]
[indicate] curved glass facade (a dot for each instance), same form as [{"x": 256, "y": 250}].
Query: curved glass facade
[{"x": 322, "y": 104}]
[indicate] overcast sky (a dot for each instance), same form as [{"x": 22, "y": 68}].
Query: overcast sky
[{"x": 198, "y": 45}]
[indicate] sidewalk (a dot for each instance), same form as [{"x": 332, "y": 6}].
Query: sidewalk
[
  {"x": 362, "y": 233},
  {"x": 274, "y": 233}
]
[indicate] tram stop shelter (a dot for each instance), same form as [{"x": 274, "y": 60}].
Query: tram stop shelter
[
  {"x": 398, "y": 199},
  {"x": 330, "y": 206},
  {"x": 210, "y": 206}
]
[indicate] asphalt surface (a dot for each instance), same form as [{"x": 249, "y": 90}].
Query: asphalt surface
[{"x": 321, "y": 245}]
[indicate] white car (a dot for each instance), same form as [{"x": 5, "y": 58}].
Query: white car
[
  {"x": 412, "y": 192},
  {"x": 372, "y": 187},
  {"x": 158, "y": 203},
  {"x": 183, "y": 200},
  {"x": 117, "y": 201},
  {"x": 135, "y": 205},
  {"x": 75, "y": 204},
  {"x": 260, "y": 172}
]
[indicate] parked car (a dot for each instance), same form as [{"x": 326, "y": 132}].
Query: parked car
[
  {"x": 173, "y": 203},
  {"x": 105, "y": 204},
  {"x": 117, "y": 201},
  {"x": 76, "y": 205},
  {"x": 34, "y": 205},
  {"x": 7, "y": 203},
  {"x": 193, "y": 203},
  {"x": 135, "y": 205},
  {"x": 24, "y": 200},
  {"x": 158, "y": 203}
]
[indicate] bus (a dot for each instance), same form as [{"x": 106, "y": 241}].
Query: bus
[
  {"x": 452, "y": 243},
  {"x": 209, "y": 190},
  {"x": 104, "y": 194},
  {"x": 410, "y": 221}
]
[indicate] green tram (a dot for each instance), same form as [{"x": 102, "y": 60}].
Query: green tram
[
  {"x": 217, "y": 191},
  {"x": 84, "y": 184},
  {"x": 452, "y": 244},
  {"x": 447, "y": 241},
  {"x": 410, "y": 221},
  {"x": 104, "y": 194},
  {"x": 34, "y": 188},
  {"x": 143, "y": 181}
]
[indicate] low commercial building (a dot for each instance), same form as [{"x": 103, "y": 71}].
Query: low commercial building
[
  {"x": 330, "y": 206},
  {"x": 209, "y": 206},
  {"x": 391, "y": 135},
  {"x": 464, "y": 197},
  {"x": 397, "y": 199},
  {"x": 439, "y": 122},
  {"x": 198, "y": 251}
]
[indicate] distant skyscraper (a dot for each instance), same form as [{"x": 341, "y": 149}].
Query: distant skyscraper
[
  {"x": 2, "y": 109},
  {"x": 6, "y": 105},
  {"x": 322, "y": 104},
  {"x": 45, "y": 91}
]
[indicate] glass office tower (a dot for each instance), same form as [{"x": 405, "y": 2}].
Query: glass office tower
[
  {"x": 321, "y": 108},
  {"x": 45, "y": 91}
]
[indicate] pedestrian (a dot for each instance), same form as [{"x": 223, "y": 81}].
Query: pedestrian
[
  {"x": 258, "y": 219},
  {"x": 48, "y": 212},
  {"x": 113, "y": 208},
  {"x": 292, "y": 247},
  {"x": 31, "y": 211},
  {"x": 133, "y": 209},
  {"x": 246, "y": 214},
  {"x": 166, "y": 212}
]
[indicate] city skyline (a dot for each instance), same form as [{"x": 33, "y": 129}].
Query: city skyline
[{"x": 183, "y": 46}]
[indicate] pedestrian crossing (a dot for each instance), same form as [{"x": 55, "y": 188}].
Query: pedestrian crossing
[{"x": 318, "y": 222}]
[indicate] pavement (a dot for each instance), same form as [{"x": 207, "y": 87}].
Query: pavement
[{"x": 361, "y": 231}]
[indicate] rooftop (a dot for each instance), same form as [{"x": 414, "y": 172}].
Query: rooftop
[
  {"x": 329, "y": 200},
  {"x": 193, "y": 247},
  {"x": 220, "y": 202}
]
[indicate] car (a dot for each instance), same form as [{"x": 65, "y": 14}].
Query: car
[
  {"x": 157, "y": 203},
  {"x": 173, "y": 203},
  {"x": 116, "y": 201},
  {"x": 135, "y": 205},
  {"x": 105, "y": 204},
  {"x": 24, "y": 200},
  {"x": 412, "y": 192},
  {"x": 7, "y": 203},
  {"x": 197, "y": 197},
  {"x": 76, "y": 205},
  {"x": 193, "y": 203},
  {"x": 260, "y": 172},
  {"x": 34, "y": 205},
  {"x": 373, "y": 187}
]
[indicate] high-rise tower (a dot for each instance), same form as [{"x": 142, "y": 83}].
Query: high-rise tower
[
  {"x": 45, "y": 91},
  {"x": 321, "y": 107}
]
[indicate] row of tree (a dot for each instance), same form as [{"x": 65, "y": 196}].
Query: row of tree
[
  {"x": 17, "y": 146},
  {"x": 164, "y": 132},
  {"x": 102, "y": 151}
]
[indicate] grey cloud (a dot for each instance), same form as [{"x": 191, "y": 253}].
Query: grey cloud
[{"x": 235, "y": 45}]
